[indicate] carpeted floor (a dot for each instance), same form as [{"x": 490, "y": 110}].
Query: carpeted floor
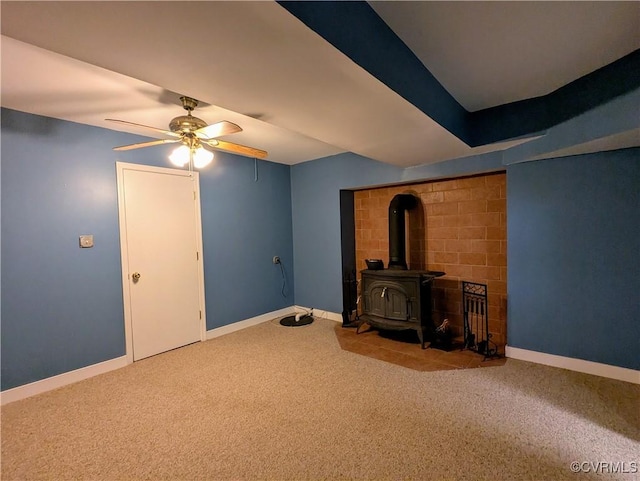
[{"x": 277, "y": 403}]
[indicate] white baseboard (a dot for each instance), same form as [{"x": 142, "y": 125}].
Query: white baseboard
[
  {"x": 54, "y": 382},
  {"x": 579, "y": 365},
  {"x": 236, "y": 326},
  {"x": 332, "y": 316}
]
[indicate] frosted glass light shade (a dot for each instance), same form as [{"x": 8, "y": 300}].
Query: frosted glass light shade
[
  {"x": 180, "y": 156},
  {"x": 202, "y": 158}
]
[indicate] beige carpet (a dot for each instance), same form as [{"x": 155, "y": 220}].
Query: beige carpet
[{"x": 278, "y": 403}]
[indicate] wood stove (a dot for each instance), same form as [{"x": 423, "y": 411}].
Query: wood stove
[{"x": 398, "y": 298}]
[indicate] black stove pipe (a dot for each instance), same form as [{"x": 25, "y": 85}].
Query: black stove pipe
[{"x": 397, "y": 252}]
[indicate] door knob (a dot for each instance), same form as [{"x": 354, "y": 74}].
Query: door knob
[{"x": 135, "y": 276}]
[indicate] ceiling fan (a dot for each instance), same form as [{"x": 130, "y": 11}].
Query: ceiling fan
[{"x": 194, "y": 133}]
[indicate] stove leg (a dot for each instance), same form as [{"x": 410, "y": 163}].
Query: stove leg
[{"x": 421, "y": 337}]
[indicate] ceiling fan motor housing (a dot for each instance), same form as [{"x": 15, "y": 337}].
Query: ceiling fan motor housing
[{"x": 186, "y": 123}]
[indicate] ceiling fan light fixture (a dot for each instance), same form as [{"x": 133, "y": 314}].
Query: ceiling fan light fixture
[
  {"x": 202, "y": 157},
  {"x": 180, "y": 156}
]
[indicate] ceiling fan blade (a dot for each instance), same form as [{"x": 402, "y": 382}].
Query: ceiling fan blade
[
  {"x": 146, "y": 144},
  {"x": 237, "y": 148},
  {"x": 218, "y": 129},
  {"x": 155, "y": 129}
]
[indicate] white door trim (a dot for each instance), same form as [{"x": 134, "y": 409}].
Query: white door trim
[{"x": 124, "y": 254}]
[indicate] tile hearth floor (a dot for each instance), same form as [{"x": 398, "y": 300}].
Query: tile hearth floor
[{"x": 403, "y": 348}]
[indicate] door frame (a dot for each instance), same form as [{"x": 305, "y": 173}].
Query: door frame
[{"x": 124, "y": 252}]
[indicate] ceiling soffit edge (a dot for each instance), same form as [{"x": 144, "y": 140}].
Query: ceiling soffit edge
[{"x": 355, "y": 29}]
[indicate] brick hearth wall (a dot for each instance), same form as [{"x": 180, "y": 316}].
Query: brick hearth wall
[{"x": 460, "y": 227}]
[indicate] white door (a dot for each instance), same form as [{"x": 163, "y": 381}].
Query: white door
[{"x": 162, "y": 266}]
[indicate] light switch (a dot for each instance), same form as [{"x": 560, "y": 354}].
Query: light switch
[{"x": 86, "y": 241}]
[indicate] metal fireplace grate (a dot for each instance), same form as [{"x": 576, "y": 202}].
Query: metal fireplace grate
[{"x": 476, "y": 320}]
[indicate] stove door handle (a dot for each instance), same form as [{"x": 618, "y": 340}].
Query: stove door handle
[{"x": 384, "y": 291}]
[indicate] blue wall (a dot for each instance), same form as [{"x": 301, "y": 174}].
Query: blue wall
[
  {"x": 245, "y": 223},
  {"x": 315, "y": 195},
  {"x": 573, "y": 245},
  {"x": 61, "y": 305},
  {"x": 574, "y": 256}
]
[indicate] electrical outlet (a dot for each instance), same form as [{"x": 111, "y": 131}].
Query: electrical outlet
[
  {"x": 276, "y": 260},
  {"x": 86, "y": 241}
]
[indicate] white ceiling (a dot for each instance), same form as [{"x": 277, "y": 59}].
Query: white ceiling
[
  {"x": 294, "y": 94},
  {"x": 493, "y": 53}
]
